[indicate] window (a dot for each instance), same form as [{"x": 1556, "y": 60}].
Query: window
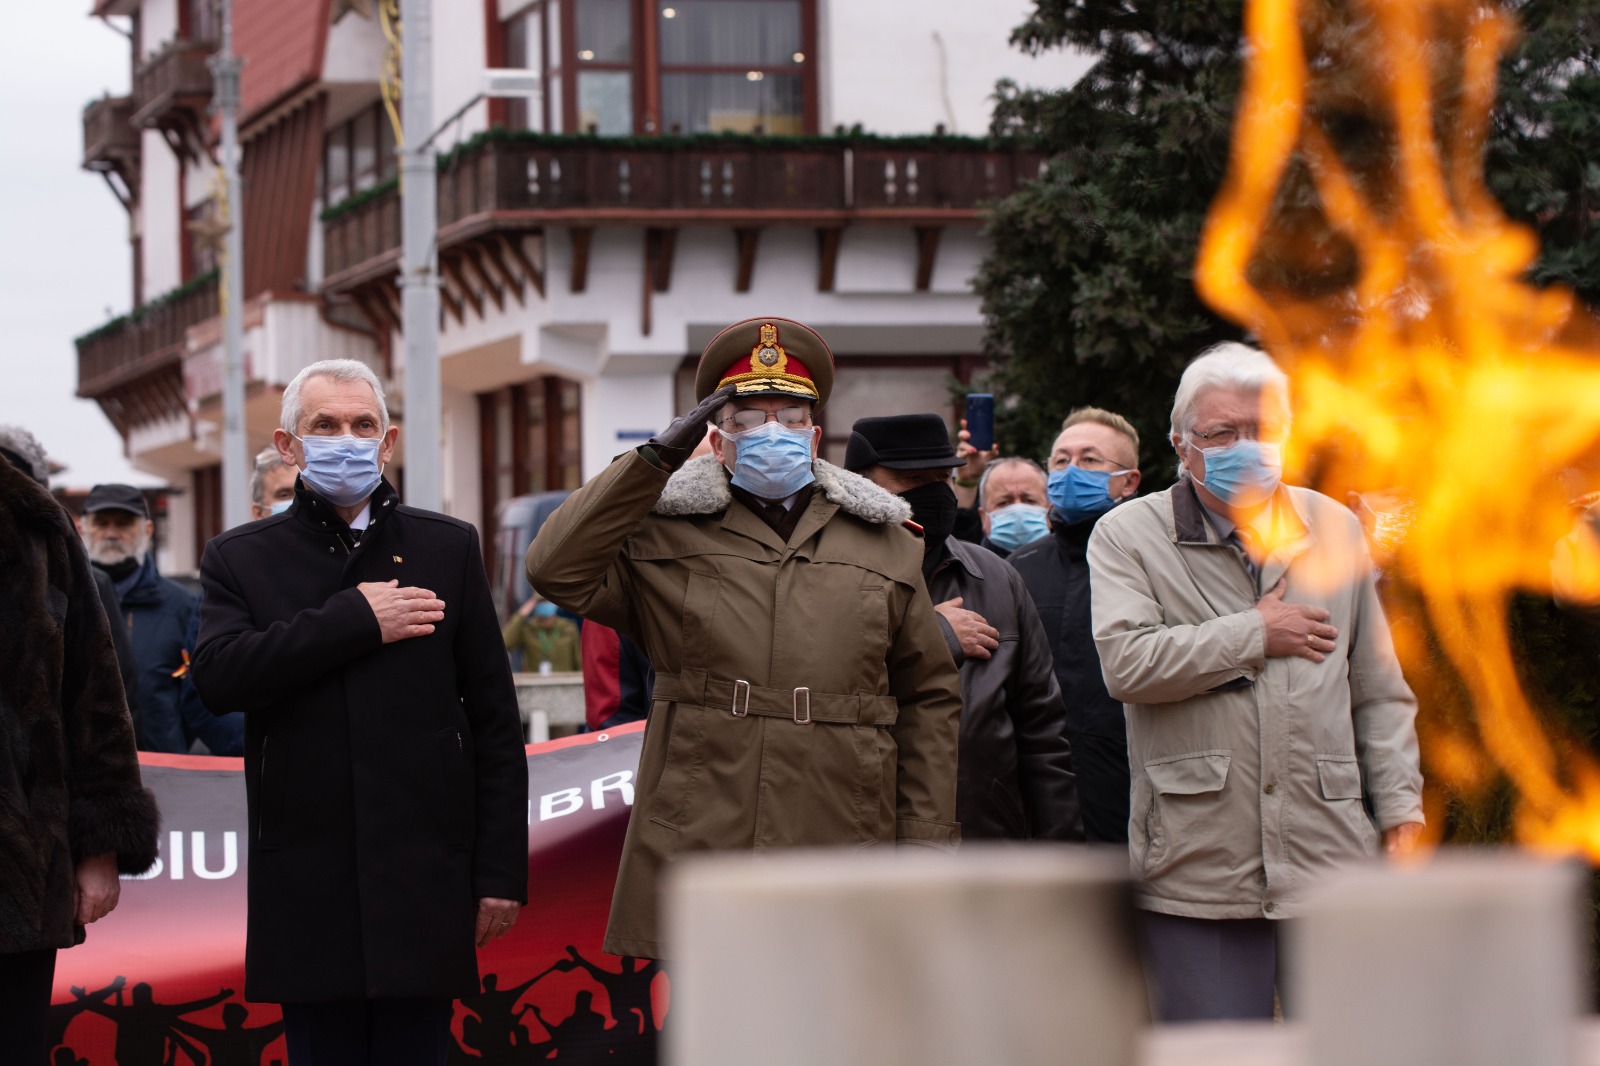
[
  {"x": 357, "y": 154},
  {"x": 710, "y": 66},
  {"x": 731, "y": 66}
]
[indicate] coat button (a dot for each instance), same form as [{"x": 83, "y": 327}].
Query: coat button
[
  {"x": 1270, "y": 907},
  {"x": 1268, "y": 789},
  {"x": 330, "y": 549}
]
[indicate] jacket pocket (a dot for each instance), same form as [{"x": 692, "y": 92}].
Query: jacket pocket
[
  {"x": 682, "y": 756},
  {"x": 1184, "y": 794},
  {"x": 1340, "y": 779}
]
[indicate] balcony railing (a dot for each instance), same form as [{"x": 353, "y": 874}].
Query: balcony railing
[
  {"x": 526, "y": 182},
  {"x": 110, "y": 141},
  {"x": 145, "y": 339},
  {"x": 175, "y": 79}
]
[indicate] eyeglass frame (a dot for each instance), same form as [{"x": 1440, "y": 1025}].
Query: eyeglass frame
[{"x": 721, "y": 424}]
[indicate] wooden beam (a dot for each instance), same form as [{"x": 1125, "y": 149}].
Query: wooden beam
[
  {"x": 581, "y": 238},
  {"x": 927, "y": 255},
  {"x": 520, "y": 257},
  {"x": 469, "y": 260},
  {"x": 666, "y": 241},
  {"x": 648, "y": 285},
  {"x": 491, "y": 253},
  {"x": 371, "y": 310},
  {"x": 449, "y": 302},
  {"x": 827, "y": 257},
  {"x": 749, "y": 238},
  {"x": 451, "y": 269}
]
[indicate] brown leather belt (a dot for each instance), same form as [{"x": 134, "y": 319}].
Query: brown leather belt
[{"x": 802, "y": 705}]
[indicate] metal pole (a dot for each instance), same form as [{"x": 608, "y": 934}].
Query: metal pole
[
  {"x": 235, "y": 448},
  {"x": 419, "y": 225}
]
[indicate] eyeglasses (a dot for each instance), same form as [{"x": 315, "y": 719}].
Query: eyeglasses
[
  {"x": 794, "y": 417},
  {"x": 1225, "y": 436}
]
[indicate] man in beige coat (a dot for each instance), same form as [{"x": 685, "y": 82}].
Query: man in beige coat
[
  {"x": 804, "y": 695},
  {"x": 1270, "y": 733}
]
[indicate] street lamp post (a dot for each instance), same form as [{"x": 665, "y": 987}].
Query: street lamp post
[
  {"x": 419, "y": 224},
  {"x": 235, "y": 449}
]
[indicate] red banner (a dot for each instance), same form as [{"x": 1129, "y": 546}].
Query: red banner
[{"x": 159, "y": 981}]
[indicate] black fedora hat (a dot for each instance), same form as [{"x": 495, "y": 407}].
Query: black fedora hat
[{"x": 900, "y": 442}]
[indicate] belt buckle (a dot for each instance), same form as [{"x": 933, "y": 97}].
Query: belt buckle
[
  {"x": 741, "y": 687},
  {"x": 799, "y": 692}
]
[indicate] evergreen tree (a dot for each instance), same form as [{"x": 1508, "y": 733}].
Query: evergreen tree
[{"x": 1088, "y": 288}]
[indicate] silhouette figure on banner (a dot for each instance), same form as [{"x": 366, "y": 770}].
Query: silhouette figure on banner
[
  {"x": 492, "y": 1024},
  {"x": 147, "y": 1033},
  {"x": 233, "y": 1044},
  {"x": 628, "y": 990},
  {"x": 494, "y": 1030},
  {"x": 61, "y": 1015}
]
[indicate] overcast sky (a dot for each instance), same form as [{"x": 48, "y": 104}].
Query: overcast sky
[{"x": 64, "y": 258}]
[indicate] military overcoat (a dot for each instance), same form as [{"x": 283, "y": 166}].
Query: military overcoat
[{"x": 804, "y": 694}]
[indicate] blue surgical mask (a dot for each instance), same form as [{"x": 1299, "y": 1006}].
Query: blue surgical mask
[
  {"x": 343, "y": 470},
  {"x": 1079, "y": 495},
  {"x": 282, "y": 505},
  {"x": 1245, "y": 473},
  {"x": 772, "y": 461},
  {"x": 1017, "y": 524}
]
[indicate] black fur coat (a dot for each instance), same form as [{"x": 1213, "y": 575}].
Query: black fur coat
[{"x": 69, "y": 774}]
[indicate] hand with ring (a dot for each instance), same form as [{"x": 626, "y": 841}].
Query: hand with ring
[{"x": 495, "y": 919}]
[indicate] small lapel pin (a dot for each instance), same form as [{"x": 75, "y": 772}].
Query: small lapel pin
[{"x": 397, "y": 558}]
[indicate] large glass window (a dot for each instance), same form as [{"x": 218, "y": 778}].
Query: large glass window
[
  {"x": 357, "y": 154},
  {"x": 731, "y": 66},
  {"x": 711, "y": 66}
]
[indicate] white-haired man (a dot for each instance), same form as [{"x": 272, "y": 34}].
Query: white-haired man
[
  {"x": 383, "y": 753},
  {"x": 1270, "y": 733}
]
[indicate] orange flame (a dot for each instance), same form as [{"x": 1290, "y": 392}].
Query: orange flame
[{"x": 1355, "y": 237}]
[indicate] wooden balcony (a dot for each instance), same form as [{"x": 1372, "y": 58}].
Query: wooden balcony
[
  {"x": 110, "y": 139},
  {"x": 171, "y": 90},
  {"x": 111, "y": 144},
  {"x": 133, "y": 366},
  {"x": 518, "y": 183}
]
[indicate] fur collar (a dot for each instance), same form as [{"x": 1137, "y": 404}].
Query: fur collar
[{"x": 700, "y": 486}]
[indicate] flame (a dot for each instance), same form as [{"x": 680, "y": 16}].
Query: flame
[{"x": 1355, "y": 237}]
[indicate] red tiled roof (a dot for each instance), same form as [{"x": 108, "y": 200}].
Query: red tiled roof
[{"x": 282, "y": 44}]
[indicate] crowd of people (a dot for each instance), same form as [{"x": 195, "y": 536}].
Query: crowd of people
[{"x": 929, "y": 643}]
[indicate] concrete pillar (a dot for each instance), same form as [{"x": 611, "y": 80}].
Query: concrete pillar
[
  {"x": 996, "y": 954},
  {"x": 1469, "y": 960}
]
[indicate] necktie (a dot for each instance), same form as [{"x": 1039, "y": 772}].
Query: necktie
[{"x": 1245, "y": 541}]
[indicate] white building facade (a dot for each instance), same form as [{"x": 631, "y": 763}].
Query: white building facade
[{"x": 688, "y": 163}]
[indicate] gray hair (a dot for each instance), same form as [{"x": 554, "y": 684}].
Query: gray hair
[
  {"x": 337, "y": 370},
  {"x": 996, "y": 464},
  {"x": 1229, "y": 365},
  {"x": 26, "y": 446},
  {"x": 267, "y": 460}
]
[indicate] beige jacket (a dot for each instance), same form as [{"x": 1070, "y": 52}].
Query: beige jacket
[
  {"x": 1252, "y": 777},
  {"x": 749, "y": 636}
]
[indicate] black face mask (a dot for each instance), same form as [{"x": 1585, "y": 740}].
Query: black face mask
[{"x": 933, "y": 507}]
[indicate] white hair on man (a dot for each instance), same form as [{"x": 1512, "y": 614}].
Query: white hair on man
[
  {"x": 25, "y": 446},
  {"x": 335, "y": 370},
  {"x": 1229, "y": 365},
  {"x": 267, "y": 460}
]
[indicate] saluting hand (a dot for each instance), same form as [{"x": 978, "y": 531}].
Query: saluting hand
[
  {"x": 673, "y": 444},
  {"x": 978, "y": 638},
  {"x": 402, "y": 613},
  {"x": 1295, "y": 628}
]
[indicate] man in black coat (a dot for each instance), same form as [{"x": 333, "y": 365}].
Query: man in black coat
[
  {"x": 72, "y": 810},
  {"x": 1014, "y": 778},
  {"x": 1093, "y": 467},
  {"x": 385, "y": 769}
]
